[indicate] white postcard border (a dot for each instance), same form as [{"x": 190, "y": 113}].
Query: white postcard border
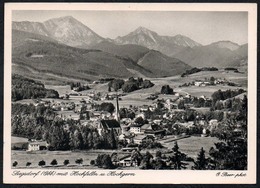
[{"x": 141, "y": 176}]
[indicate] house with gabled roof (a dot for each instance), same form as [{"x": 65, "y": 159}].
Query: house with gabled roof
[{"x": 135, "y": 128}]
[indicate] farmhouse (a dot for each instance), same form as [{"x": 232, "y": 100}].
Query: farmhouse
[
  {"x": 136, "y": 129},
  {"x": 198, "y": 83},
  {"x": 126, "y": 161},
  {"x": 139, "y": 138},
  {"x": 37, "y": 145}
]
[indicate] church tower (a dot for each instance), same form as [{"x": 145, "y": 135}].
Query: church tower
[
  {"x": 117, "y": 110},
  {"x": 123, "y": 129}
]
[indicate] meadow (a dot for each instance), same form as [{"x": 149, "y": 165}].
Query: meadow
[{"x": 192, "y": 145}]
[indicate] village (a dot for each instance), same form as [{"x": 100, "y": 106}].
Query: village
[
  {"x": 84, "y": 110},
  {"x": 165, "y": 118}
]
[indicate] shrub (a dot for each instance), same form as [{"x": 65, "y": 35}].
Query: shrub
[
  {"x": 166, "y": 90},
  {"x": 79, "y": 161},
  {"x": 129, "y": 87},
  {"x": 106, "y": 106},
  {"x": 116, "y": 84},
  {"x": 28, "y": 164},
  {"x": 191, "y": 71},
  {"x": 66, "y": 162},
  {"x": 230, "y": 69},
  {"x": 15, "y": 163},
  {"x": 92, "y": 162},
  {"x": 147, "y": 84},
  {"x": 41, "y": 163},
  {"x": 54, "y": 162},
  {"x": 104, "y": 161}
]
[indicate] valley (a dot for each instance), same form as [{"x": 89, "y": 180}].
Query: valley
[{"x": 139, "y": 101}]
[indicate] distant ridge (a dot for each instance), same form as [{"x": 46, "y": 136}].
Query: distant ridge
[
  {"x": 150, "y": 39},
  {"x": 219, "y": 54},
  {"x": 44, "y": 58},
  {"x": 66, "y": 29},
  {"x": 161, "y": 55}
]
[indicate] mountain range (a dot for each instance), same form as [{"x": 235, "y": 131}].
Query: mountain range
[
  {"x": 66, "y": 30},
  {"x": 67, "y": 43},
  {"x": 40, "y": 57},
  {"x": 150, "y": 39}
]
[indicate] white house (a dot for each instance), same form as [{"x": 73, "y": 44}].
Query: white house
[
  {"x": 37, "y": 145},
  {"x": 135, "y": 129}
]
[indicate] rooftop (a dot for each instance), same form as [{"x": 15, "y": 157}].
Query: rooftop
[{"x": 109, "y": 124}]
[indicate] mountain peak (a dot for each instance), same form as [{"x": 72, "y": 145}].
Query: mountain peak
[
  {"x": 143, "y": 30},
  {"x": 66, "y": 29},
  {"x": 63, "y": 19}
]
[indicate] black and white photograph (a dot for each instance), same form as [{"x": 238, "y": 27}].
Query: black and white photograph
[{"x": 118, "y": 93}]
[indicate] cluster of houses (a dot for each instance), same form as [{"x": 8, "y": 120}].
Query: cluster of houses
[
  {"x": 216, "y": 81},
  {"x": 204, "y": 83},
  {"x": 126, "y": 128}
]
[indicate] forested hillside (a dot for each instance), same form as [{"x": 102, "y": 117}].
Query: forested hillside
[{"x": 24, "y": 88}]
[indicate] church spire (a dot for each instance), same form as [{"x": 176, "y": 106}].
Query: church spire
[{"x": 117, "y": 110}]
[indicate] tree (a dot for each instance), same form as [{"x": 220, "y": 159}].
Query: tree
[
  {"x": 59, "y": 138},
  {"x": 166, "y": 90},
  {"x": 15, "y": 163},
  {"x": 136, "y": 157},
  {"x": 201, "y": 162},
  {"x": 181, "y": 104},
  {"x": 71, "y": 141},
  {"x": 106, "y": 106},
  {"x": 230, "y": 155},
  {"x": 159, "y": 163},
  {"x": 66, "y": 162},
  {"x": 146, "y": 161},
  {"x": 177, "y": 158},
  {"x": 212, "y": 80},
  {"x": 116, "y": 84},
  {"x": 92, "y": 162},
  {"x": 96, "y": 140},
  {"x": 129, "y": 87},
  {"x": 112, "y": 142},
  {"x": 78, "y": 140},
  {"x": 28, "y": 164},
  {"x": 90, "y": 138},
  {"x": 140, "y": 121},
  {"x": 79, "y": 161},
  {"x": 54, "y": 162},
  {"x": 104, "y": 161},
  {"x": 41, "y": 163},
  {"x": 146, "y": 84}
]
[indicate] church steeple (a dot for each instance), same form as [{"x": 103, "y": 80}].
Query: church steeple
[{"x": 117, "y": 110}]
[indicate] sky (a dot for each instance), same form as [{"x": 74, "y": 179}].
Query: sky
[{"x": 203, "y": 27}]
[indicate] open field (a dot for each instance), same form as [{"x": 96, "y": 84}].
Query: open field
[
  {"x": 15, "y": 139},
  {"x": 192, "y": 145},
  {"x": 61, "y": 89},
  {"x": 138, "y": 98},
  {"x": 22, "y": 157}
]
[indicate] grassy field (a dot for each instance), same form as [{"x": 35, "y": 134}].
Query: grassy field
[
  {"x": 15, "y": 139},
  {"x": 192, "y": 145},
  {"x": 22, "y": 157},
  {"x": 138, "y": 98}
]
